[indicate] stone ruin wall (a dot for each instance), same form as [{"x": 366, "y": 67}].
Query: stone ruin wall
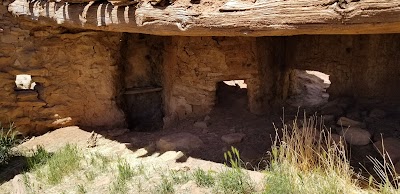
[
  {"x": 195, "y": 65},
  {"x": 81, "y": 75},
  {"x": 364, "y": 67},
  {"x": 76, "y": 76}
]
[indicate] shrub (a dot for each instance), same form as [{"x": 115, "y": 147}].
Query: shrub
[
  {"x": 305, "y": 155},
  {"x": 7, "y": 141}
]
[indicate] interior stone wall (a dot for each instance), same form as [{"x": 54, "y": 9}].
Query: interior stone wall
[
  {"x": 76, "y": 75},
  {"x": 365, "y": 67},
  {"x": 81, "y": 76},
  {"x": 194, "y": 66}
]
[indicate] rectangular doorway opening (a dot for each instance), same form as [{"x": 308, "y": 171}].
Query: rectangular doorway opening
[
  {"x": 308, "y": 88},
  {"x": 144, "y": 109},
  {"x": 232, "y": 95}
]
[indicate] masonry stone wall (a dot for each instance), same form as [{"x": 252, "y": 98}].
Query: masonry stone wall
[
  {"x": 194, "y": 66},
  {"x": 75, "y": 73},
  {"x": 81, "y": 76},
  {"x": 365, "y": 67}
]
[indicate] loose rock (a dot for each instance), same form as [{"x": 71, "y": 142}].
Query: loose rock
[
  {"x": 200, "y": 124},
  {"x": 233, "y": 138},
  {"x": 346, "y": 122},
  {"x": 356, "y": 136},
  {"x": 179, "y": 142},
  {"x": 390, "y": 146}
]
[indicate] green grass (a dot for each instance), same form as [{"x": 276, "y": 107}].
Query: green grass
[
  {"x": 81, "y": 189},
  {"x": 52, "y": 168},
  {"x": 203, "y": 178},
  {"x": 125, "y": 174},
  {"x": 8, "y": 140},
  {"x": 179, "y": 177},
  {"x": 166, "y": 186},
  {"x": 233, "y": 180}
]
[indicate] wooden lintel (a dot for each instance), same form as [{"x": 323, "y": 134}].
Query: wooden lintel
[{"x": 141, "y": 90}]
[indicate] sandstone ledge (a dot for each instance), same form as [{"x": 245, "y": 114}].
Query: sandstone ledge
[{"x": 233, "y": 18}]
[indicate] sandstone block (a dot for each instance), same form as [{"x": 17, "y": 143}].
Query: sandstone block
[
  {"x": 390, "y": 146},
  {"x": 356, "y": 136},
  {"x": 179, "y": 142},
  {"x": 233, "y": 138},
  {"x": 27, "y": 95}
]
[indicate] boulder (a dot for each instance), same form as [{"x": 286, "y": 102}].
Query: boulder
[
  {"x": 390, "y": 146},
  {"x": 179, "y": 142},
  {"x": 356, "y": 136},
  {"x": 377, "y": 114},
  {"x": 233, "y": 138},
  {"x": 346, "y": 122}
]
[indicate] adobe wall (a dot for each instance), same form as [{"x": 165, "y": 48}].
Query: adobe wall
[
  {"x": 76, "y": 75},
  {"x": 365, "y": 67},
  {"x": 194, "y": 66}
]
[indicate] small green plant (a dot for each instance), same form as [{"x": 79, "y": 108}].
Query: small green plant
[
  {"x": 179, "y": 177},
  {"x": 203, "y": 178},
  {"x": 306, "y": 154},
  {"x": 7, "y": 141},
  {"x": 388, "y": 180},
  {"x": 39, "y": 158},
  {"x": 100, "y": 161},
  {"x": 61, "y": 163},
  {"x": 81, "y": 189},
  {"x": 90, "y": 175},
  {"x": 125, "y": 173},
  {"x": 165, "y": 187},
  {"x": 234, "y": 180},
  {"x": 232, "y": 158}
]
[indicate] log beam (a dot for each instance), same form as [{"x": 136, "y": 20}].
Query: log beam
[{"x": 262, "y": 18}]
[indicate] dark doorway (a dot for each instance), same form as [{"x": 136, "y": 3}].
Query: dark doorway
[
  {"x": 232, "y": 94},
  {"x": 144, "y": 109},
  {"x": 308, "y": 88},
  {"x": 142, "y": 70}
]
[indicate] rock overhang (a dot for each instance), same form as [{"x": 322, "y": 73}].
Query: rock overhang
[{"x": 220, "y": 18}]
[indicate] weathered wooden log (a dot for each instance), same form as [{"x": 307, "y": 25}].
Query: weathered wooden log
[{"x": 262, "y": 18}]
